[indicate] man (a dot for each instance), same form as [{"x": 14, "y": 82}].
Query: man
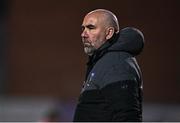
[{"x": 113, "y": 85}]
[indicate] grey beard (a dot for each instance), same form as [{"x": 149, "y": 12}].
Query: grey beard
[{"x": 89, "y": 50}]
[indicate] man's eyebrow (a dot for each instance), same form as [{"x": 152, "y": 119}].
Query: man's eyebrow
[{"x": 88, "y": 26}]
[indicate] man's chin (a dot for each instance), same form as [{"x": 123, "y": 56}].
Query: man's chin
[{"x": 89, "y": 51}]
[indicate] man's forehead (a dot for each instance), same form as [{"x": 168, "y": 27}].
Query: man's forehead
[
  {"x": 90, "y": 20},
  {"x": 93, "y": 18}
]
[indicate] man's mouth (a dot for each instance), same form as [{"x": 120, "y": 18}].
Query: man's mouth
[{"x": 87, "y": 44}]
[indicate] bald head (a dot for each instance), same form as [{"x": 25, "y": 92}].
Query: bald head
[{"x": 107, "y": 17}]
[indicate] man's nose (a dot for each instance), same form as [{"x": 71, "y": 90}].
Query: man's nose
[{"x": 84, "y": 34}]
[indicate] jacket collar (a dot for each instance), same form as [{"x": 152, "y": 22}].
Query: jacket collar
[{"x": 102, "y": 50}]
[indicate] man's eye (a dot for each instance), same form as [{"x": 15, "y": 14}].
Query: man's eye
[{"x": 91, "y": 27}]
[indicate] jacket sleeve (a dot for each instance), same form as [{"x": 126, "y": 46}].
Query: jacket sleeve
[{"x": 124, "y": 99}]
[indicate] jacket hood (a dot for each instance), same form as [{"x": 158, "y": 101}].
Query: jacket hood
[{"x": 130, "y": 40}]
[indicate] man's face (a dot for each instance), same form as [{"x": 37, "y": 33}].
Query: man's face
[{"x": 93, "y": 33}]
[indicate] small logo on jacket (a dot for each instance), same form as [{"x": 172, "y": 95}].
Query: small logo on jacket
[
  {"x": 91, "y": 76},
  {"x": 88, "y": 82}
]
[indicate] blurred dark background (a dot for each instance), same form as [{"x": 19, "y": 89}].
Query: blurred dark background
[{"x": 43, "y": 63}]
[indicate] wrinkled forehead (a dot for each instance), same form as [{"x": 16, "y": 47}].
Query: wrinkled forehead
[{"x": 94, "y": 19}]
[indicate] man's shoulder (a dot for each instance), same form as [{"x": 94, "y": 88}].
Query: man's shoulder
[
  {"x": 111, "y": 58},
  {"x": 113, "y": 67}
]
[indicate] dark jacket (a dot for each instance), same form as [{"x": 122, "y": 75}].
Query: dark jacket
[{"x": 113, "y": 87}]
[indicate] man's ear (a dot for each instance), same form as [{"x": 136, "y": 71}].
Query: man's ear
[{"x": 109, "y": 32}]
